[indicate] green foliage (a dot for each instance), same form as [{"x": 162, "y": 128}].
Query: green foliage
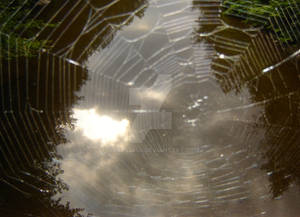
[
  {"x": 18, "y": 30},
  {"x": 261, "y": 12}
]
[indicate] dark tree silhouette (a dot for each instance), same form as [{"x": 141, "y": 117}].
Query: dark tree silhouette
[{"x": 37, "y": 95}]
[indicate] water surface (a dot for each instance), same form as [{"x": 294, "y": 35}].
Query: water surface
[{"x": 150, "y": 108}]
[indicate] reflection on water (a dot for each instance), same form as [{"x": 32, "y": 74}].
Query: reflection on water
[
  {"x": 97, "y": 127},
  {"x": 30, "y": 115},
  {"x": 168, "y": 111}
]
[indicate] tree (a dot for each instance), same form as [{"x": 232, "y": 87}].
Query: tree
[{"x": 18, "y": 28}]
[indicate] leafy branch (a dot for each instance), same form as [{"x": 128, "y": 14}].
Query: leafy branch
[
  {"x": 274, "y": 15},
  {"x": 18, "y": 29}
]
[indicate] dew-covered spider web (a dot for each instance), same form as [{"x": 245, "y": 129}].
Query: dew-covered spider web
[{"x": 149, "y": 108}]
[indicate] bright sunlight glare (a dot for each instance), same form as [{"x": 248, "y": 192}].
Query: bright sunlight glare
[{"x": 96, "y": 127}]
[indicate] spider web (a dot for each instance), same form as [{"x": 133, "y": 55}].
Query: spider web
[{"x": 221, "y": 134}]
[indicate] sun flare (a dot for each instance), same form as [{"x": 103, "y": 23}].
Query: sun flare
[{"x": 97, "y": 127}]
